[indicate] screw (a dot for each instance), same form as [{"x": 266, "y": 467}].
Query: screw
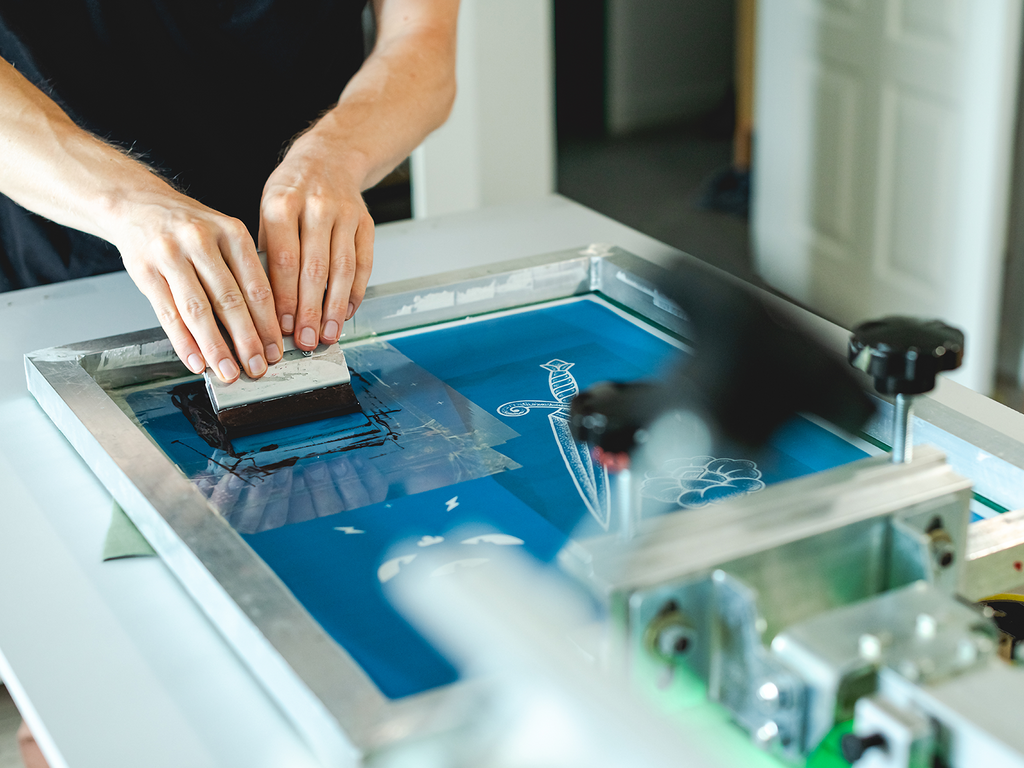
[
  {"x": 674, "y": 640},
  {"x": 771, "y": 698},
  {"x": 669, "y": 636},
  {"x": 870, "y": 647},
  {"x": 966, "y": 652},
  {"x": 943, "y": 549},
  {"x": 768, "y": 692},
  {"x": 984, "y": 644},
  {"x": 909, "y": 670},
  {"x": 926, "y": 626},
  {"x": 945, "y": 556},
  {"x": 767, "y": 732}
]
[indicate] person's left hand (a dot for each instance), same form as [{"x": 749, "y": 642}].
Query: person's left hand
[{"x": 318, "y": 237}]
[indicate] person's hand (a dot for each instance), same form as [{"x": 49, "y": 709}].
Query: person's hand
[
  {"x": 31, "y": 754},
  {"x": 318, "y": 237},
  {"x": 197, "y": 266},
  {"x": 193, "y": 264}
]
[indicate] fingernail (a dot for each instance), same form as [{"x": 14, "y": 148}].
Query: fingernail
[
  {"x": 331, "y": 330},
  {"x": 308, "y": 337},
  {"x": 351, "y": 311},
  {"x": 228, "y": 369},
  {"x": 257, "y": 365},
  {"x": 196, "y": 363},
  {"x": 287, "y": 323},
  {"x": 273, "y": 353}
]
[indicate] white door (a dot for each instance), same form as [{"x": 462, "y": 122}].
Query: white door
[{"x": 882, "y": 159}]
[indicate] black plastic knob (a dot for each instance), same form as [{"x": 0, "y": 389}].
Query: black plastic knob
[
  {"x": 904, "y": 354},
  {"x": 609, "y": 415},
  {"x": 853, "y": 746}
]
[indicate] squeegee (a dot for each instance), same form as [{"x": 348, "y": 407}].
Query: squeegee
[{"x": 300, "y": 388}]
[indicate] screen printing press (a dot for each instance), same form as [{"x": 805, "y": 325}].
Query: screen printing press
[{"x": 449, "y": 575}]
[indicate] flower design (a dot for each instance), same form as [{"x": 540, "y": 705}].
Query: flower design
[{"x": 701, "y": 480}]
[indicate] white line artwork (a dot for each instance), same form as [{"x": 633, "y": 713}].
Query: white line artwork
[
  {"x": 501, "y": 539},
  {"x": 590, "y": 478},
  {"x": 391, "y": 568},
  {"x": 697, "y": 481}
]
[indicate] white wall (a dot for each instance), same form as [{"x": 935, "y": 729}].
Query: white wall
[
  {"x": 498, "y": 146},
  {"x": 668, "y": 60}
]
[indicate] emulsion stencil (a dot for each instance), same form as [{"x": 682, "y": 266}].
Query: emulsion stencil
[
  {"x": 413, "y": 434},
  {"x": 392, "y": 567},
  {"x": 589, "y": 477}
]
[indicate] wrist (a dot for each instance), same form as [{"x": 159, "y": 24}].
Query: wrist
[
  {"x": 329, "y": 145},
  {"x": 121, "y": 204}
]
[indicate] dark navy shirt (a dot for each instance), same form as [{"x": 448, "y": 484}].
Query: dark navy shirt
[{"x": 208, "y": 92}]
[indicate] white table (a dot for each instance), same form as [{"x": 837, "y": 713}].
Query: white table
[{"x": 112, "y": 664}]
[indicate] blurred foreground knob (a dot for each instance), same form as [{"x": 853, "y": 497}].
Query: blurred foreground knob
[
  {"x": 904, "y": 355},
  {"x": 612, "y": 416}
]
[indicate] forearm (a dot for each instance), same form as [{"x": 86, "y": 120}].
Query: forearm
[
  {"x": 403, "y": 91},
  {"x": 194, "y": 265},
  {"x": 54, "y": 168},
  {"x": 314, "y": 224}
]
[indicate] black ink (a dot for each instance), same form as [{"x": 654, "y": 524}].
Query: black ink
[
  {"x": 194, "y": 403},
  {"x": 291, "y": 461}
]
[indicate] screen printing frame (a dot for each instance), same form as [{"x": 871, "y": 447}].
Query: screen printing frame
[{"x": 322, "y": 690}]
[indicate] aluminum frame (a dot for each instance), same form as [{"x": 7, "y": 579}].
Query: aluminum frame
[{"x": 331, "y": 702}]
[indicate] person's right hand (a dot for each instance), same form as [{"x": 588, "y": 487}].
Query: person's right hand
[{"x": 197, "y": 266}]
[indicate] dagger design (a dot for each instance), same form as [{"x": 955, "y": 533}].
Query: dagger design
[{"x": 591, "y": 481}]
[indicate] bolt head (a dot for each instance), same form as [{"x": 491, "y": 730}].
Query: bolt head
[
  {"x": 966, "y": 652},
  {"x": 768, "y": 692},
  {"x": 910, "y": 670},
  {"x": 674, "y": 641},
  {"x": 945, "y": 556},
  {"x": 870, "y": 647},
  {"x": 767, "y": 732},
  {"x": 925, "y": 627}
]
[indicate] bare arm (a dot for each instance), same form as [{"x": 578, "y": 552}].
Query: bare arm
[
  {"x": 196, "y": 265},
  {"x": 193, "y": 264},
  {"x": 313, "y": 222}
]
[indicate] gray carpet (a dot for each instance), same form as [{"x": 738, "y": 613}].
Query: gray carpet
[
  {"x": 653, "y": 182},
  {"x": 9, "y": 722}
]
